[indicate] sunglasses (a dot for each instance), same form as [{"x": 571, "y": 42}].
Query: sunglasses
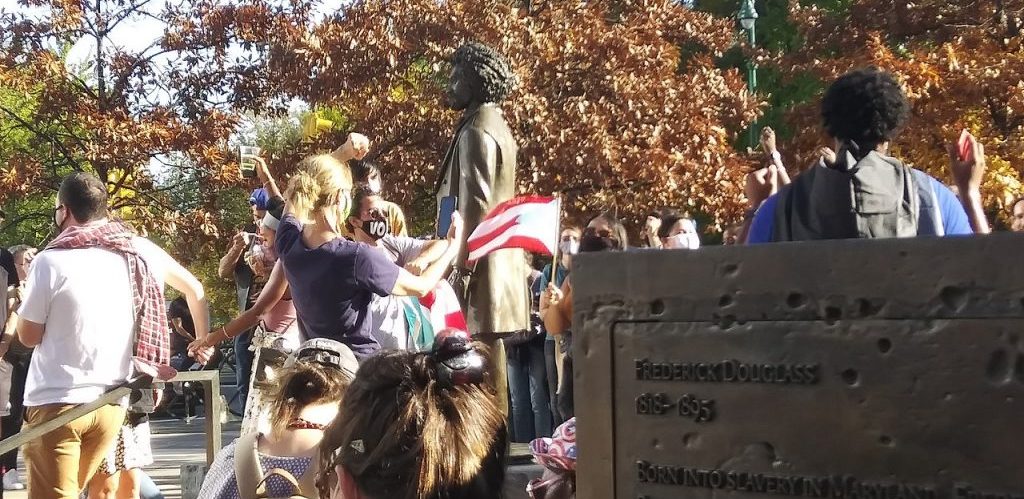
[{"x": 600, "y": 233}]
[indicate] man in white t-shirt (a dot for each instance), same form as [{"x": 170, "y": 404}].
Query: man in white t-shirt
[{"x": 79, "y": 313}]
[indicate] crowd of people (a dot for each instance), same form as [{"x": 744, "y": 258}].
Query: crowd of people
[{"x": 351, "y": 384}]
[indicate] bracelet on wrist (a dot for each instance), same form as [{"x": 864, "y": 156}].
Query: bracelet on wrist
[{"x": 212, "y": 338}]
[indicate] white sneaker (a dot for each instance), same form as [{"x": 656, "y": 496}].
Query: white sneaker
[{"x": 12, "y": 481}]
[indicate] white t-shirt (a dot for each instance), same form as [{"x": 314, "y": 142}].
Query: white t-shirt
[{"x": 83, "y": 297}]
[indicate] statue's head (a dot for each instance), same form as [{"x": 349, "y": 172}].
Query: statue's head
[{"x": 479, "y": 74}]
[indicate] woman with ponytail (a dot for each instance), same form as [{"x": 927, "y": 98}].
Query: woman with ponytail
[
  {"x": 306, "y": 401},
  {"x": 417, "y": 426},
  {"x": 332, "y": 279}
]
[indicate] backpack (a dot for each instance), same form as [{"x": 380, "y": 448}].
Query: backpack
[
  {"x": 876, "y": 197},
  {"x": 252, "y": 482}
]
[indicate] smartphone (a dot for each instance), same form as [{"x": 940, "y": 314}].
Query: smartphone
[
  {"x": 964, "y": 145},
  {"x": 447, "y": 206},
  {"x": 252, "y": 238}
]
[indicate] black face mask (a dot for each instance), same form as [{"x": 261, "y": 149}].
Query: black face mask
[
  {"x": 592, "y": 242},
  {"x": 377, "y": 228}
]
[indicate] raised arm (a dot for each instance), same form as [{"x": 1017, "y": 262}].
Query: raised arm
[
  {"x": 355, "y": 147},
  {"x": 430, "y": 253},
  {"x": 768, "y": 144},
  {"x": 409, "y": 284},
  {"x": 760, "y": 185},
  {"x": 226, "y": 267},
  {"x": 268, "y": 180},
  {"x": 272, "y": 293},
  {"x": 968, "y": 175}
]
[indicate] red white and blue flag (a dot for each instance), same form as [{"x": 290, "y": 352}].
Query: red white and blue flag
[
  {"x": 428, "y": 316},
  {"x": 529, "y": 223}
]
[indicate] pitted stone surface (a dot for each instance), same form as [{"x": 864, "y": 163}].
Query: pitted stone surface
[{"x": 845, "y": 369}]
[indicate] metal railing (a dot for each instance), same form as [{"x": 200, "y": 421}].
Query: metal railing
[{"x": 211, "y": 404}]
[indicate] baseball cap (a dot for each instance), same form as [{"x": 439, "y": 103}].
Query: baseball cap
[
  {"x": 259, "y": 198},
  {"x": 559, "y": 451},
  {"x": 327, "y": 352}
]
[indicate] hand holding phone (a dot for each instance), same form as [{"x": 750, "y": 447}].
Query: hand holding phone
[
  {"x": 967, "y": 163},
  {"x": 965, "y": 146}
]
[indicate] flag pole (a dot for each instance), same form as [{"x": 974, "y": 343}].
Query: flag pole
[{"x": 558, "y": 240}]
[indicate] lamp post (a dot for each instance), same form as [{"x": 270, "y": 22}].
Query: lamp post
[{"x": 747, "y": 17}]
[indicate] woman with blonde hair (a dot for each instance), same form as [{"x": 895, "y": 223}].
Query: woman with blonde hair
[{"x": 333, "y": 279}]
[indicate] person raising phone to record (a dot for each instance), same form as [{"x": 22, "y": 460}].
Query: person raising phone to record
[{"x": 866, "y": 193}]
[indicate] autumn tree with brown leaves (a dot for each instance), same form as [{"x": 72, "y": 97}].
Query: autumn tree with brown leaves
[
  {"x": 125, "y": 114},
  {"x": 961, "y": 63},
  {"x": 619, "y": 104},
  {"x": 151, "y": 121}
]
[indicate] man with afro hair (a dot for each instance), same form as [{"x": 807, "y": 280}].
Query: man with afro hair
[
  {"x": 479, "y": 172},
  {"x": 863, "y": 192}
]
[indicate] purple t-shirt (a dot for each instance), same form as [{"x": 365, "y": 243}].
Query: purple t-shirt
[{"x": 332, "y": 285}]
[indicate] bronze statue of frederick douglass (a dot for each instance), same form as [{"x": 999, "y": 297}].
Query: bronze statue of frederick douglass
[{"x": 479, "y": 171}]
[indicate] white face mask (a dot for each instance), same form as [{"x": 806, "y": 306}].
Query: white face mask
[
  {"x": 683, "y": 240},
  {"x": 569, "y": 247}
]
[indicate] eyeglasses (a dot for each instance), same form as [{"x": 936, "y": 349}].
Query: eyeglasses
[{"x": 600, "y": 233}]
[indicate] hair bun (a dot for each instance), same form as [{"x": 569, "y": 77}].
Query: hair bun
[
  {"x": 456, "y": 360},
  {"x": 452, "y": 341}
]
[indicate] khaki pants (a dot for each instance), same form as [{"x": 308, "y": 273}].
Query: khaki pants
[{"x": 61, "y": 462}]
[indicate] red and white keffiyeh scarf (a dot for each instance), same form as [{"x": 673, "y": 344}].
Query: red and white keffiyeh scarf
[{"x": 152, "y": 342}]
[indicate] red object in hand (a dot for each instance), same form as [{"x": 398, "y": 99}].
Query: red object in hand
[{"x": 965, "y": 146}]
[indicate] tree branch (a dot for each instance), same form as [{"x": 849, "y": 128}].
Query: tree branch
[
  {"x": 22, "y": 218},
  {"x": 55, "y": 142},
  {"x": 122, "y": 79},
  {"x": 126, "y": 14}
]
